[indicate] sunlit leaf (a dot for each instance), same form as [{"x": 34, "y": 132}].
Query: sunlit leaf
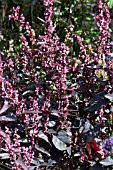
[
  {"x": 43, "y": 136},
  {"x": 62, "y": 135},
  {"x": 41, "y": 149},
  {"x": 109, "y": 96},
  {"x": 6, "y": 119},
  {"x": 107, "y": 162},
  {"x": 4, "y": 155},
  {"x": 58, "y": 143},
  {"x": 51, "y": 123},
  {"x": 20, "y": 161},
  {"x": 69, "y": 150},
  {"x": 5, "y": 107}
]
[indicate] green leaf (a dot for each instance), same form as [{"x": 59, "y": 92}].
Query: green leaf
[{"x": 110, "y": 3}]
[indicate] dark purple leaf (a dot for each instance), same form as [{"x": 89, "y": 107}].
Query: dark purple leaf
[
  {"x": 51, "y": 131},
  {"x": 55, "y": 113},
  {"x": 77, "y": 154},
  {"x": 97, "y": 102},
  {"x": 41, "y": 149},
  {"x": 76, "y": 123},
  {"x": 58, "y": 143},
  {"x": 51, "y": 123},
  {"x": 69, "y": 150},
  {"x": 4, "y": 156},
  {"x": 87, "y": 126},
  {"x": 98, "y": 167},
  {"x": 24, "y": 140},
  {"x": 35, "y": 162},
  {"x": 5, "y": 107},
  {"x": 97, "y": 127},
  {"x": 109, "y": 96},
  {"x": 51, "y": 162},
  {"x": 107, "y": 162},
  {"x": 6, "y": 119},
  {"x": 62, "y": 135},
  {"x": 102, "y": 82},
  {"x": 73, "y": 85},
  {"x": 20, "y": 161},
  {"x": 43, "y": 136},
  {"x": 3, "y": 134},
  {"x": 88, "y": 138},
  {"x": 111, "y": 108},
  {"x": 26, "y": 92},
  {"x": 33, "y": 167}
]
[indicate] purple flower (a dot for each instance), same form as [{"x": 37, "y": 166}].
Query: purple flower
[{"x": 107, "y": 145}]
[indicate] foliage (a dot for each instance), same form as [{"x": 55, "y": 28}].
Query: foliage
[
  {"x": 56, "y": 98},
  {"x": 109, "y": 3}
]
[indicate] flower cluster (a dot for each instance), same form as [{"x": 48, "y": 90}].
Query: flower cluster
[
  {"x": 48, "y": 17},
  {"x": 35, "y": 74},
  {"x": 103, "y": 20},
  {"x": 107, "y": 145}
]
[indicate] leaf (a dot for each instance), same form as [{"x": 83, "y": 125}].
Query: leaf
[
  {"x": 2, "y": 133},
  {"x": 26, "y": 92},
  {"x": 55, "y": 113},
  {"x": 77, "y": 154},
  {"x": 72, "y": 104},
  {"x": 97, "y": 102},
  {"x": 88, "y": 138},
  {"x": 69, "y": 133},
  {"x": 97, "y": 127},
  {"x": 109, "y": 96},
  {"x": 51, "y": 161},
  {"x": 41, "y": 149},
  {"x": 59, "y": 144},
  {"x": 76, "y": 123},
  {"x": 87, "y": 126},
  {"x": 24, "y": 140},
  {"x": 16, "y": 2},
  {"x": 35, "y": 162},
  {"x": 111, "y": 108},
  {"x": 73, "y": 85},
  {"x": 58, "y": 1},
  {"x": 20, "y": 128},
  {"x": 107, "y": 162},
  {"x": 11, "y": 115},
  {"x": 33, "y": 167},
  {"x": 4, "y": 155},
  {"x": 20, "y": 161},
  {"x": 43, "y": 136},
  {"x": 51, "y": 131},
  {"x": 6, "y": 119},
  {"x": 110, "y": 3},
  {"x": 38, "y": 118},
  {"x": 98, "y": 167},
  {"x": 5, "y": 107},
  {"x": 69, "y": 150},
  {"x": 51, "y": 123},
  {"x": 2, "y": 44},
  {"x": 100, "y": 82},
  {"x": 62, "y": 135}
]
